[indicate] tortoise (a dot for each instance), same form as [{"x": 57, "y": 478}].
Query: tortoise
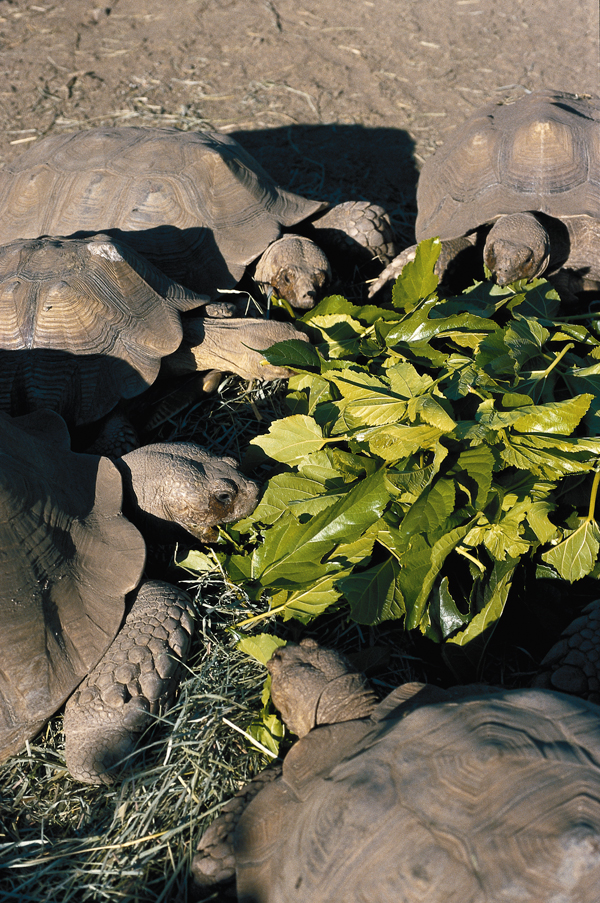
[
  {"x": 520, "y": 182},
  {"x": 85, "y": 323},
  {"x": 73, "y": 564},
  {"x": 472, "y": 794},
  {"x": 195, "y": 204}
]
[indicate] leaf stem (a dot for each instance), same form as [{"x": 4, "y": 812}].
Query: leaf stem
[
  {"x": 593, "y": 496},
  {"x": 556, "y": 360},
  {"x": 265, "y": 614},
  {"x": 250, "y": 738},
  {"x": 472, "y": 558}
]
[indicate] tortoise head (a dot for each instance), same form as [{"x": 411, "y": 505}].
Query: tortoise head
[
  {"x": 517, "y": 247},
  {"x": 311, "y": 685},
  {"x": 180, "y": 484},
  {"x": 296, "y": 269}
]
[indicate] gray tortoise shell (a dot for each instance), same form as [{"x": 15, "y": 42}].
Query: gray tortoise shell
[
  {"x": 540, "y": 153},
  {"x": 485, "y": 798},
  {"x": 83, "y": 323}
]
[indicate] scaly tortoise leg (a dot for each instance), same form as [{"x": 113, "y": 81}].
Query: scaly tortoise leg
[
  {"x": 573, "y": 664},
  {"x": 135, "y": 679},
  {"x": 356, "y": 226}
]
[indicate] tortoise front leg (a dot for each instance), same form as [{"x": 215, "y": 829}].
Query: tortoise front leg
[
  {"x": 135, "y": 679},
  {"x": 573, "y": 664},
  {"x": 231, "y": 346}
]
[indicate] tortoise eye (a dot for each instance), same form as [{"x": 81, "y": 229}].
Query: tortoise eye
[{"x": 225, "y": 496}]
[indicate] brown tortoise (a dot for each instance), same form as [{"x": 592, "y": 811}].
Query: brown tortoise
[
  {"x": 472, "y": 795},
  {"x": 195, "y": 204},
  {"x": 88, "y": 323},
  {"x": 520, "y": 182},
  {"x": 72, "y": 567}
]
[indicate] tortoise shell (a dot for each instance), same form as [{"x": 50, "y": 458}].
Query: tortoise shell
[
  {"x": 83, "y": 323},
  {"x": 479, "y": 798},
  {"x": 196, "y": 204},
  {"x": 69, "y": 557},
  {"x": 540, "y": 153}
]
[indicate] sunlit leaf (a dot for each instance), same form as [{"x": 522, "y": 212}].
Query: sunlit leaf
[
  {"x": 424, "y": 457},
  {"x": 294, "y": 548},
  {"x": 293, "y": 353},
  {"x": 290, "y": 439},
  {"x": 577, "y": 554},
  {"x": 261, "y": 646},
  {"x": 417, "y": 280}
]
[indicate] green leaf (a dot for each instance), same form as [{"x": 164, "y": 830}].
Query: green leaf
[
  {"x": 503, "y": 539},
  {"x": 417, "y": 279},
  {"x": 294, "y": 354},
  {"x": 438, "y": 425},
  {"x": 397, "y": 441},
  {"x": 332, "y": 305},
  {"x": 432, "y": 412},
  {"x": 556, "y": 417},
  {"x": 330, "y": 465},
  {"x": 469, "y": 645},
  {"x": 537, "y": 518},
  {"x": 473, "y": 470},
  {"x": 444, "y": 614},
  {"x": 525, "y": 338},
  {"x": 290, "y": 439},
  {"x": 195, "y": 561},
  {"x": 434, "y": 506},
  {"x": 406, "y": 381},
  {"x": 372, "y": 594},
  {"x": 561, "y": 417},
  {"x": 366, "y": 399},
  {"x": 267, "y": 730},
  {"x": 416, "y": 587},
  {"x": 341, "y": 334},
  {"x": 307, "y": 392},
  {"x": 261, "y": 646},
  {"x": 311, "y": 599},
  {"x": 549, "y": 456},
  {"x": 294, "y": 548},
  {"x": 290, "y": 491},
  {"x": 541, "y": 300},
  {"x": 577, "y": 554}
]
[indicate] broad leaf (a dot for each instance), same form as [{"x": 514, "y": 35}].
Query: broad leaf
[
  {"x": 293, "y": 353},
  {"x": 291, "y": 439},
  {"x": 294, "y": 548},
  {"x": 373, "y": 595},
  {"x": 261, "y": 646},
  {"x": 577, "y": 554},
  {"x": 417, "y": 280}
]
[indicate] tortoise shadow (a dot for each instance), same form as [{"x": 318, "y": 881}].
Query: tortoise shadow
[{"x": 339, "y": 162}]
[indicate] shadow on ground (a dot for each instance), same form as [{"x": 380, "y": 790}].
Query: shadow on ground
[{"x": 342, "y": 162}]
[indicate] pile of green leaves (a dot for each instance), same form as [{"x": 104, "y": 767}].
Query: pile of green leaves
[{"x": 430, "y": 450}]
